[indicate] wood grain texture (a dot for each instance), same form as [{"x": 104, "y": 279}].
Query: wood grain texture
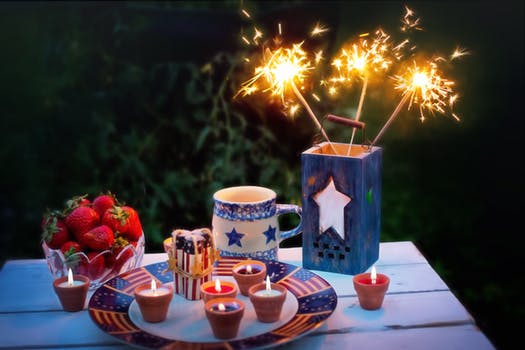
[
  {"x": 419, "y": 310},
  {"x": 358, "y": 177}
]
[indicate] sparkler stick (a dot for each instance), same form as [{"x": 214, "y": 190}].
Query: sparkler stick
[
  {"x": 358, "y": 114},
  {"x": 391, "y": 119},
  {"x": 425, "y": 87},
  {"x": 280, "y": 70},
  {"x": 311, "y": 114}
]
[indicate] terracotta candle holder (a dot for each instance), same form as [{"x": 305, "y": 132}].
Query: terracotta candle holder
[
  {"x": 248, "y": 273},
  {"x": 153, "y": 302},
  {"x": 218, "y": 289},
  {"x": 224, "y": 316},
  {"x": 369, "y": 292},
  {"x": 267, "y": 300},
  {"x": 72, "y": 293}
]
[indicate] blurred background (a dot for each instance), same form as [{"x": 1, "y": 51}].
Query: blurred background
[{"x": 138, "y": 98}]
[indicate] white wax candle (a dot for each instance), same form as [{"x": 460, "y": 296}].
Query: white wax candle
[
  {"x": 151, "y": 293},
  {"x": 67, "y": 284},
  {"x": 266, "y": 293}
]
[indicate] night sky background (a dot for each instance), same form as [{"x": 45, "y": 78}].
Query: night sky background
[{"x": 121, "y": 96}]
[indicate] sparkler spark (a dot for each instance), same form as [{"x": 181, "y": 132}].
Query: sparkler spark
[
  {"x": 426, "y": 88},
  {"x": 458, "y": 52},
  {"x": 359, "y": 60},
  {"x": 318, "y": 30},
  {"x": 423, "y": 86},
  {"x": 409, "y": 22},
  {"x": 283, "y": 70}
]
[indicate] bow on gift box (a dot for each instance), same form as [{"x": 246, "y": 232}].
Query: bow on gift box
[{"x": 197, "y": 270}]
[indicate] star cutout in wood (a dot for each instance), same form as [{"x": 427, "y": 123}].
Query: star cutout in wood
[{"x": 331, "y": 204}]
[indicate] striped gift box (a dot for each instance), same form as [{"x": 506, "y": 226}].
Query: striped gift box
[{"x": 194, "y": 254}]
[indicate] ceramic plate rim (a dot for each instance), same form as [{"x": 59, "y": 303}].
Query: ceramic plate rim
[{"x": 316, "y": 300}]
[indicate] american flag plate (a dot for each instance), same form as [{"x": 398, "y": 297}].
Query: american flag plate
[{"x": 309, "y": 302}]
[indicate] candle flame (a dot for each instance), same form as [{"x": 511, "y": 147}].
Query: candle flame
[
  {"x": 268, "y": 286},
  {"x": 154, "y": 286},
  {"x": 222, "y": 307},
  {"x": 70, "y": 277},
  {"x": 373, "y": 275},
  {"x": 248, "y": 268},
  {"x": 218, "y": 288}
]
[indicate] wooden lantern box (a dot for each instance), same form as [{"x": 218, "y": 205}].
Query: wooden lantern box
[{"x": 341, "y": 208}]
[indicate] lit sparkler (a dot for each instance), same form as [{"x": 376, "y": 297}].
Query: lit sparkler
[
  {"x": 423, "y": 86},
  {"x": 281, "y": 71},
  {"x": 360, "y": 60}
]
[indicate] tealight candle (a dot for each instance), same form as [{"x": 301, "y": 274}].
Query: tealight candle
[
  {"x": 72, "y": 291},
  {"x": 218, "y": 289},
  {"x": 371, "y": 288},
  {"x": 267, "y": 299},
  {"x": 224, "y": 316},
  {"x": 247, "y": 273},
  {"x": 153, "y": 302}
]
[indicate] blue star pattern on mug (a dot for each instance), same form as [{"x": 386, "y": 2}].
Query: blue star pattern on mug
[
  {"x": 270, "y": 234},
  {"x": 234, "y": 237}
]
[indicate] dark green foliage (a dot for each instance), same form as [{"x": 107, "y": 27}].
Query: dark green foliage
[{"x": 138, "y": 98}]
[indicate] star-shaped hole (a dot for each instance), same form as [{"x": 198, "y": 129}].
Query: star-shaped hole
[{"x": 331, "y": 204}]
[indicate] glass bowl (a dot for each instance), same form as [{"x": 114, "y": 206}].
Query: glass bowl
[{"x": 99, "y": 266}]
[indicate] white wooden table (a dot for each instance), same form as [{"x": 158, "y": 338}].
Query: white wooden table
[{"x": 419, "y": 310}]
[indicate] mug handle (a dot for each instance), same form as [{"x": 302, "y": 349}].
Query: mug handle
[{"x": 290, "y": 208}]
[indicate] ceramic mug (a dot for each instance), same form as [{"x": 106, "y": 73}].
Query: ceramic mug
[{"x": 245, "y": 222}]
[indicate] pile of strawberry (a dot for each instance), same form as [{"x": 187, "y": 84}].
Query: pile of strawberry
[{"x": 92, "y": 227}]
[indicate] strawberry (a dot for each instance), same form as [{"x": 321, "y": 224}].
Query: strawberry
[
  {"x": 69, "y": 248},
  {"x": 120, "y": 253},
  {"x": 77, "y": 201},
  {"x": 99, "y": 238},
  {"x": 81, "y": 220},
  {"x": 134, "y": 230},
  {"x": 54, "y": 232},
  {"x": 103, "y": 202},
  {"x": 94, "y": 269},
  {"x": 116, "y": 218}
]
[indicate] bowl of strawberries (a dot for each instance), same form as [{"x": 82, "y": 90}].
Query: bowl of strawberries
[{"x": 99, "y": 238}]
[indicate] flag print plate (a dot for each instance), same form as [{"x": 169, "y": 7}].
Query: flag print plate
[{"x": 310, "y": 301}]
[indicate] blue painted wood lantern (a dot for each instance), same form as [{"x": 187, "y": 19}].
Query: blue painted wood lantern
[{"x": 341, "y": 201}]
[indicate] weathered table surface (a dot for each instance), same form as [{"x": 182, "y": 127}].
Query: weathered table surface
[{"x": 419, "y": 310}]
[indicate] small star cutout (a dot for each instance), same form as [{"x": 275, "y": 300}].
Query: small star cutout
[
  {"x": 270, "y": 234},
  {"x": 331, "y": 204},
  {"x": 234, "y": 237}
]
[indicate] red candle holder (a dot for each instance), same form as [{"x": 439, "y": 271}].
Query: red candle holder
[
  {"x": 225, "y": 320},
  {"x": 72, "y": 297},
  {"x": 371, "y": 295},
  {"x": 153, "y": 305},
  {"x": 267, "y": 305},
  {"x": 209, "y": 291},
  {"x": 246, "y": 278}
]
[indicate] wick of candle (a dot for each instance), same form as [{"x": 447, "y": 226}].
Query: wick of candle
[
  {"x": 218, "y": 288},
  {"x": 268, "y": 286},
  {"x": 70, "y": 278},
  {"x": 373, "y": 275},
  {"x": 154, "y": 286}
]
